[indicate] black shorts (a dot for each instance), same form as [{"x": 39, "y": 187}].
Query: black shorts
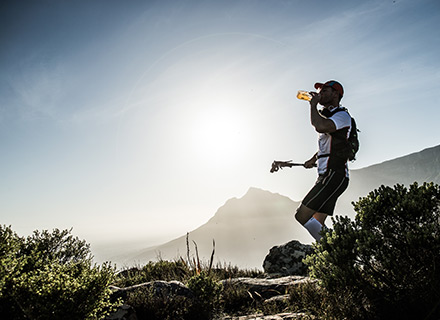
[{"x": 322, "y": 197}]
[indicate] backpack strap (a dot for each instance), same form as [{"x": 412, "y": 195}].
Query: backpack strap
[{"x": 327, "y": 113}]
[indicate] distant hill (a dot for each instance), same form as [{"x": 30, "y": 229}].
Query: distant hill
[
  {"x": 245, "y": 229},
  {"x": 423, "y": 166}
]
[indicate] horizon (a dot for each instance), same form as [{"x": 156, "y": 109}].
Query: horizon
[
  {"x": 139, "y": 120},
  {"x": 128, "y": 250}
]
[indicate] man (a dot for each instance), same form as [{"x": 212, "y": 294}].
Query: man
[{"x": 333, "y": 124}]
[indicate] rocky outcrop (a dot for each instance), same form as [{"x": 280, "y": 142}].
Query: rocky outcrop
[
  {"x": 287, "y": 259},
  {"x": 280, "y": 316},
  {"x": 158, "y": 288},
  {"x": 270, "y": 290},
  {"x": 273, "y": 291},
  {"x": 266, "y": 288},
  {"x": 124, "y": 312}
]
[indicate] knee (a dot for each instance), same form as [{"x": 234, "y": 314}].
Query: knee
[
  {"x": 298, "y": 215},
  {"x": 303, "y": 214}
]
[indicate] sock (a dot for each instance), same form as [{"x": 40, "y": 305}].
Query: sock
[{"x": 314, "y": 227}]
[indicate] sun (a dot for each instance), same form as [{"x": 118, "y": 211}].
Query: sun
[{"x": 219, "y": 134}]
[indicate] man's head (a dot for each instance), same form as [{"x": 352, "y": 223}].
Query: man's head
[{"x": 332, "y": 90}]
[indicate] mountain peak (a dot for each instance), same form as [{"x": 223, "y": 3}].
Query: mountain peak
[
  {"x": 257, "y": 192},
  {"x": 255, "y": 204}
]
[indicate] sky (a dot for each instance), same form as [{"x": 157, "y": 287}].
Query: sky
[{"x": 136, "y": 120}]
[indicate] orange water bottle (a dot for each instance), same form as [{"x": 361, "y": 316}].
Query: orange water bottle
[{"x": 304, "y": 95}]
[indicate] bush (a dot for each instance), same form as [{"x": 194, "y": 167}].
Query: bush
[
  {"x": 160, "y": 270},
  {"x": 210, "y": 296},
  {"x": 387, "y": 258},
  {"x": 51, "y": 276},
  {"x": 149, "y": 305},
  {"x": 207, "y": 291},
  {"x": 10, "y": 266},
  {"x": 314, "y": 300},
  {"x": 236, "y": 299}
]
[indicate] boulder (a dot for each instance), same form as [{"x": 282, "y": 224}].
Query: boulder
[
  {"x": 270, "y": 290},
  {"x": 287, "y": 259},
  {"x": 158, "y": 288},
  {"x": 124, "y": 312},
  {"x": 266, "y": 288},
  {"x": 280, "y": 316}
]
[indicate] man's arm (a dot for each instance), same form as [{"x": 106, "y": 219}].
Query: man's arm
[{"x": 321, "y": 124}]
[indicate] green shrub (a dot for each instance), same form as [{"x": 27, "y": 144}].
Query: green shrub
[
  {"x": 11, "y": 265},
  {"x": 69, "y": 291},
  {"x": 178, "y": 270},
  {"x": 151, "y": 304},
  {"x": 211, "y": 298},
  {"x": 58, "y": 246},
  {"x": 51, "y": 276},
  {"x": 314, "y": 300},
  {"x": 148, "y": 305},
  {"x": 388, "y": 258},
  {"x": 235, "y": 299},
  {"x": 228, "y": 271},
  {"x": 207, "y": 291},
  {"x": 159, "y": 270}
]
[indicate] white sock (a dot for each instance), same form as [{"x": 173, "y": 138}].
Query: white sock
[{"x": 314, "y": 227}]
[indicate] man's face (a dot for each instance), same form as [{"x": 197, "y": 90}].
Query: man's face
[{"x": 328, "y": 95}]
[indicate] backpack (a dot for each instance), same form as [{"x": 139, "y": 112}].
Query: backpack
[
  {"x": 353, "y": 141},
  {"x": 351, "y": 144}
]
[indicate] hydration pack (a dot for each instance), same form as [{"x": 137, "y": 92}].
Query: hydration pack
[
  {"x": 348, "y": 147},
  {"x": 352, "y": 141}
]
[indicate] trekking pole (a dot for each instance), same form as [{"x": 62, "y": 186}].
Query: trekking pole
[{"x": 277, "y": 165}]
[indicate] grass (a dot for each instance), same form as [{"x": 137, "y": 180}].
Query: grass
[
  {"x": 179, "y": 270},
  {"x": 217, "y": 300},
  {"x": 214, "y": 299}
]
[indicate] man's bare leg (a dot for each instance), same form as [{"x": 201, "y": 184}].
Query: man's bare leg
[{"x": 320, "y": 217}]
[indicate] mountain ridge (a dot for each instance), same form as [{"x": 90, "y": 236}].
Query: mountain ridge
[
  {"x": 418, "y": 167},
  {"x": 259, "y": 219},
  {"x": 245, "y": 228}
]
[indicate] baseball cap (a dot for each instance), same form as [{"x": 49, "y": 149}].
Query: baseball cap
[{"x": 331, "y": 83}]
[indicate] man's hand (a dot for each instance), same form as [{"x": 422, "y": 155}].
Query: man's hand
[
  {"x": 321, "y": 124},
  {"x": 316, "y": 97},
  {"x": 311, "y": 163},
  {"x": 276, "y": 165}
]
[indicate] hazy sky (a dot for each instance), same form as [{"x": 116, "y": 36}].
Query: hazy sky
[{"x": 139, "y": 119}]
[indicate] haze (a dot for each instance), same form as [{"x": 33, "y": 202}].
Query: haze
[{"x": 137, "y": 120}]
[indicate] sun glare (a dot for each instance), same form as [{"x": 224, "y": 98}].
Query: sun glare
[{"x": 219, "y": 134}]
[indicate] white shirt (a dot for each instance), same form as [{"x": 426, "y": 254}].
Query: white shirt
[{"x": 341, "y": 120}]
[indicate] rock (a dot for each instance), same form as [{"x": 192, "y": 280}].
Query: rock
[
  {"x": 266, "y": 288},
  {"x": 158, "y": 287},
  {"x": 280, "y": 302},
  {"x": 280, "y": 316},
  {"x": 286, "y": 259},
  {"x": 125, "y": 312}
]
